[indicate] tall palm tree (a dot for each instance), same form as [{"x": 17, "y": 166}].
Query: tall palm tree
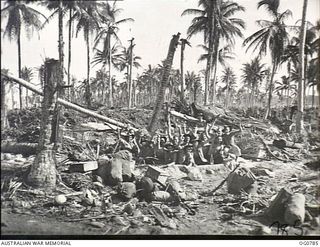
[
  {"x": 299, "y": 118},
  {"x": 224, "y": 54},
  {"x": 272, "y": 36},
  {"x": 19, "y": 15},
  {"x": 216, "y": 21},
  {"x": 87, "y": 18},
  {"x": 27, "y": 75},
  {"x": 253, "y": 74},
  {"x": 229, "y": 79},
  {"x": 107, "y": 32}
]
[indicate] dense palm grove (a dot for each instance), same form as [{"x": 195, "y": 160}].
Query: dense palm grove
[{"x": 218, "y": 23}]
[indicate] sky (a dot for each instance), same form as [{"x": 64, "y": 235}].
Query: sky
[{"x": 155, "y": 23}]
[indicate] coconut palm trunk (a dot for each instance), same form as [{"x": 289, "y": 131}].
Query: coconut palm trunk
[
  {"x": 164, "y": 82},
  {"x": 215, "y": 64},
  {"x": 88, "y": 91},
  {"x": 3, "y": 104},
  {"x": 110, "y": 78},
  {"x": 130, "y": 74},
  {"x": 43, "y": 171},
  {"x": 299, "y": 117},
  {"x": 60, "y": 17},
  {"x": 19, "y": 66},
  {"x": 183, "y": 45},
  {"x": 69, "y": 51},
  {"x": 274, "y": 69}
]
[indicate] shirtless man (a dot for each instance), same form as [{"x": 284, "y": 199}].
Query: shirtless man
[{"x": 228, "y": 140}]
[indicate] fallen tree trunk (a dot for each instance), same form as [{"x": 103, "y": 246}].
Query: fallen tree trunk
[
  {"x": 19, "y": 148},
  {"x": 67, "y": 104}
]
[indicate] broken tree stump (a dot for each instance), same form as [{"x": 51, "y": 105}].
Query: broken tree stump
[{"x": 43, "y": 170}]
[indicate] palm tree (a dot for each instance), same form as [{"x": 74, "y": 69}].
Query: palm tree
[
  {"x": 4, "y": 81},
  {"x": 273, "y": 37},
  {"x": 183, "y": 43},
  {"x": 19, "y": 15},
  {"x": 107, "y": 32},
  {"x": 224, "y": 54},
  {"x": 216, "y": 21},
  {"x": 299, "y": 118},
  {"x": 151, "y": 79},
  {"x": 87, "y": 18},
  {"x": 164, "y": 82},
  {"x": 253, "y": 74},
  {"x": 193, "y": 85},
  {"x": 229, "y": 78},
  {"x": 125, "y": 60},
  {"x": 285, "y": 85},
  {"x": 27, "y": 75}
]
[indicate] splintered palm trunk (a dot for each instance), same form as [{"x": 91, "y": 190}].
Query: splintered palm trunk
[
  {"x": 164, "y": 82},
  {"x": 274, "y": 68},
  {"x": 19, "y": 68},
  {"x": 43, "y": 171},
  {"x": 299, "y": 118}
]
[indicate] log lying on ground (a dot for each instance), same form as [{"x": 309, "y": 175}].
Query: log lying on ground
[
  {"x": 67, "y": 104},
  {"x": 19, "y": 148},
  {"x": 184, "y": 116}
]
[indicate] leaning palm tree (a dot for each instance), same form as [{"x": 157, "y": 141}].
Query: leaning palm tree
[
  {"x": 272, "y": 37},
  {"x": 253, "y": 74},
  {"x": 107, "y": 32},
  {"x": 87, "y": 18},
  {"x": 19, "y": 15}
]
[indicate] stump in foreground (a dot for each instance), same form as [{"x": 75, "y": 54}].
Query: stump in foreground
[{"x": 43, "y": 170}]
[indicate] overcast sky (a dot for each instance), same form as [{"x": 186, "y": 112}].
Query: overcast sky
[{"x": 155, "y": 23}]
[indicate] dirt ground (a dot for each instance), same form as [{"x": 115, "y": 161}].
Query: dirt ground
[{"x": 212, "y": 217}]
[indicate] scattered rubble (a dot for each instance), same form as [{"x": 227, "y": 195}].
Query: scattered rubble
[{"x": 109, "y": 191}]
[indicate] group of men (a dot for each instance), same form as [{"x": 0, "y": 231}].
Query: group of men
[{"x": 204, "y": 143}]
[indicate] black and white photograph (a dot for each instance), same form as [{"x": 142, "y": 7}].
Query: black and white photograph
[{"x": 160, "y": 119}]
